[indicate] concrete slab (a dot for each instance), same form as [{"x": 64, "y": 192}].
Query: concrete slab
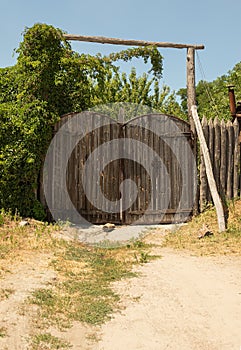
[{"x": 96, "y": 234}]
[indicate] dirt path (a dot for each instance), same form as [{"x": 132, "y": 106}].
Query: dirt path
[
  {"x": 19, "y": 282},
  {"x": 179, "y": 302}
]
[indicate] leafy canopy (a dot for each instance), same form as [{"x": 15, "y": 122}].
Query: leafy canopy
[
  {"x": 49, "y": 80},
  {"x": 212, "y": 97}
]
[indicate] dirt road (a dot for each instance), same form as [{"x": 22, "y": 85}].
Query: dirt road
[{"x": 178, "y": 302}]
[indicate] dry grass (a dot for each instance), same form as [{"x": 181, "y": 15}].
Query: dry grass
[{"x": 225, "y": 243}]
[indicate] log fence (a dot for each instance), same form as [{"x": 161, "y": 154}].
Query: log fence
[{"x": 224, "y": 148}]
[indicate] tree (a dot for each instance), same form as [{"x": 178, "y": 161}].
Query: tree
[
  {"x": 49, "y": 80},
  {"x": 212, "y": 97}
]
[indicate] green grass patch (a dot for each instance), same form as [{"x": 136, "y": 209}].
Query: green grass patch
[
  {"x": 84, "y": 292},
  {"x": 46, "y": 341}
]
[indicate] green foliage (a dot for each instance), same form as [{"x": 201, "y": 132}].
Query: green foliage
[
  {"x": 25, "y": 134},
  {"x": 48, "y": 81},
  {"x": 144, "y": 52},
  {"x": 8, "y": 84},
  {"x": 212, "y": 97}
]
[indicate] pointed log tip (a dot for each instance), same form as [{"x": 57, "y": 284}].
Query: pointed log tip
[
  {"x": 204, "y": 121},
  {"x": 210, "y": 123},
  {"x": 216, "y": 122},
  {"x": 236, "y": 122}
]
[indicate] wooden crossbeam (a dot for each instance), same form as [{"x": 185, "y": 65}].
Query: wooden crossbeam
[{"x": 115, "y": 41}]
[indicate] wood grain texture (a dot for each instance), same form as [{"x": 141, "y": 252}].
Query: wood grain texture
[{"x": 129, "y": 42}]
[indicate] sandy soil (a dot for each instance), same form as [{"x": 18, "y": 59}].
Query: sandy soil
[
  {"x": 177, "y": 302},
  {"x": 23, "y": 277}
]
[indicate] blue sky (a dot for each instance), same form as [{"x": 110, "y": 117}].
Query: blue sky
[{"x": 214, "y": 23}]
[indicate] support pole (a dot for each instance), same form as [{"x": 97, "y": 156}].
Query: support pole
[
  {"x": 191, "y": 100},
  {"x": 191, "y": 92}
]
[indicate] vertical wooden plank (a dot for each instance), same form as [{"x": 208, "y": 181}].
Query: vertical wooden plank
[
  {"x": 121, "y": 172},
  {"x": 100, "y": 140},
  {"x": 236, "y": 159},
  {"x": 134, "y": 165},
  {"x": 142, "y": 180},
  {"x": 230, "y": 160},
  {"x": 223, "y": 164},
  {"x": 203, "y": 175},
  {"x": 166, "y": 160},
  {"x": 211, "y": 150},
  {"x": 153, "y": 173},
  {"x": 157, "y": 175},
  {"x": 82, "y": 160},
  {"x": 117, "y": 132},
  {"x": 175, "y": 175},
  {"x": 217, "y": 153},
  {"x": 160, "y": 182},
  {"x": 145, "y": 177},
  {"x": 95, "y": 138},
  {"x": 112, "y": 175},
  {"x": 106, "y": 137}
]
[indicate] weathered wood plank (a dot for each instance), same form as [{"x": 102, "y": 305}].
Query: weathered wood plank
[
  {"x": 211, "y": 150},
  {"x": 130, "y": 42},
  {"x": 203, "y": 177},
  {"x": 223, "y": 164},
  {"x": 230, "y": 165},
  {"x": 217, "y": 153},
  {"x": 236, "y": 159}
]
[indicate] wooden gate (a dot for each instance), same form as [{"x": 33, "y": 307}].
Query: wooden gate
[{"x": 152, "y": 154}]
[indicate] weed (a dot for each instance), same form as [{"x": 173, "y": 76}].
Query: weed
[
  {"x": 43, "y": 297},
  {"x": 3, "y": 332},
  {"x": 144, "y": 257},
  {"x": 5, "y": 293},
  {"x": 46, "y": 341}
]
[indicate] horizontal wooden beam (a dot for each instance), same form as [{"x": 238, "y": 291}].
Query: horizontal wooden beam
[{"x": 115, "y": 41}]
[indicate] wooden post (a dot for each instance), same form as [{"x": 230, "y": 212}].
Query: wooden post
[
  {"x": 191, "y": 101},
  {"x": 211, "y": 181},
  {"x": 191, "y": 92}
]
